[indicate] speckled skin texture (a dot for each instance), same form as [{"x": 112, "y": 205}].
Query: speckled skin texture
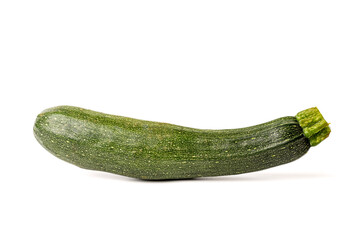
[{"x": 153, "y": 150}]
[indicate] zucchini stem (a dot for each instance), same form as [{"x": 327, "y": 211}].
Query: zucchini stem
[{"x": 314, "y": 126}]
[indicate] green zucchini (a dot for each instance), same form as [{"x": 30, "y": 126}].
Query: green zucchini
[{"x": 153, "y": 150}]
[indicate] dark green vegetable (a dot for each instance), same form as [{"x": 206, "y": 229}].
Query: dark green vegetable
[{"x": 153, "y": 150}]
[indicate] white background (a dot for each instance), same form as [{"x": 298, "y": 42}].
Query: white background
[{"x": 204, "y": 64}]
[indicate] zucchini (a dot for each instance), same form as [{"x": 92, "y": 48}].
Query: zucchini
[{"x": 153, "y": 150}]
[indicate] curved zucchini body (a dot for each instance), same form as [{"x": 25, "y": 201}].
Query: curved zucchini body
[{"x": 154, "y": 150}]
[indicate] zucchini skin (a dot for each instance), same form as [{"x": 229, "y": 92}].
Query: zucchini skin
[{"x": 155, "y": 151}]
